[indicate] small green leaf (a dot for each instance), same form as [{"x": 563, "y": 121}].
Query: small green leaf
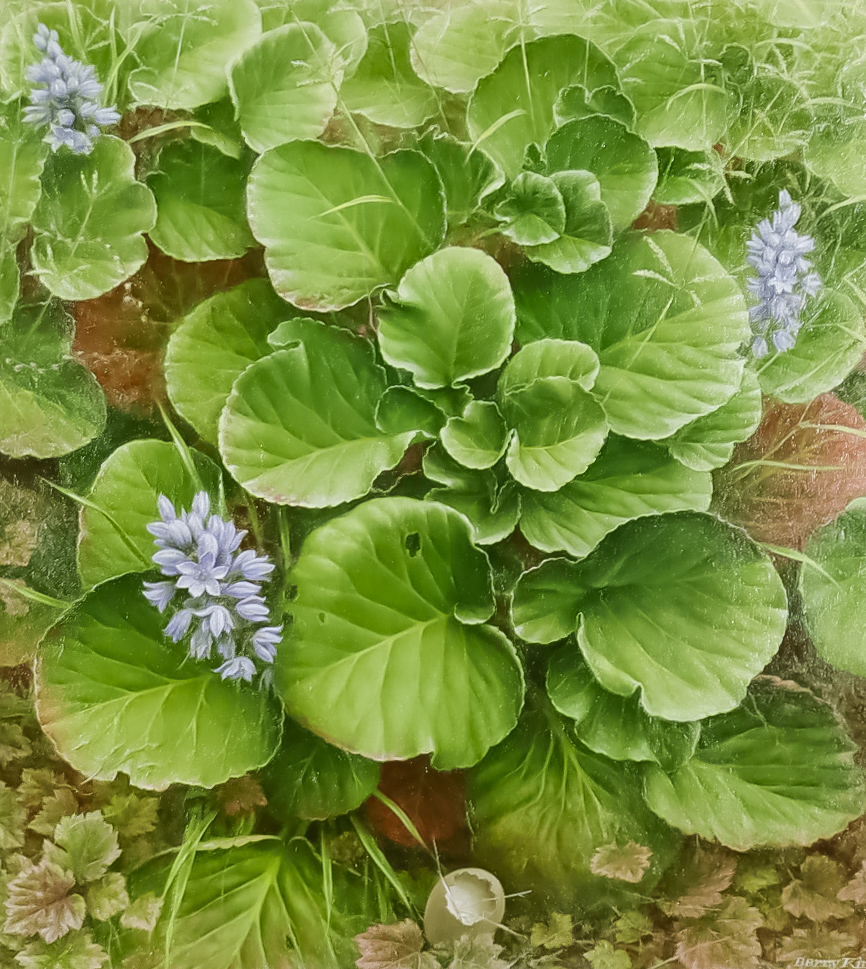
[
  {"x": 468, "y": 175},
  {"x": 533, "y": 210},
  {"x": 395, "y": 592},
  {"x": 90, "y": 222},
  {"x": 402, "y": 409},
  {"x": 451, "y": 318},
  {"x": 837, "y": 151},
  {"x": 478, "y": 438},
  {"x": 779, "y": 770},
  {"x": 22, "y": 158},
  {"x": 107, "y": 672},
  {"x": 576, "y": 102},
  {"x": 10, "y": 279},
  {"x": 337, "y": 224},
  {"x": 284, "y": 87},
  {"x": 88, "y": 846},
  {"x": 107, "y": 896},
  {"x": 550, "y": 358},
  {"x": 686, "y": 177},
  {"x": 773, "y": 119}
]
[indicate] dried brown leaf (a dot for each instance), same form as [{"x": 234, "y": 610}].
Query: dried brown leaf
[
  {"x": 39, "y": 902},
  {"x": 706, "y": 872},
  {"x": 724, "y": 937},
  {"x": 814, "y": 894},
  {"x": 815, "y": 942},
  {"x": 242, "y": 795},
  {"x": 472, "y": 952},
  {"x": 855, "y": 890},
  {"x": 396, "y": 946},
  {"x": 626, "y": 863},
  {"x": 13, "y": 818}
]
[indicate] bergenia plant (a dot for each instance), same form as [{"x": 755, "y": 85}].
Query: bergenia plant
[{"x": 433, "y": 438}]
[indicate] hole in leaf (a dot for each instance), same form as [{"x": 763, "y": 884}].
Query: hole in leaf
[
  {"x": 321, "y": 617},
  {"x": 413, "y": 543},
  {"x": 291, "y": 593}
]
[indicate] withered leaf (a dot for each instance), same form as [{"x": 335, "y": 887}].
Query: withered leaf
[
  {"x": 77, "y": 950},
  {"x": 39, "y": 902},
  {"x": 814, "y": 894},
  {"x": 855, "y": 890},
  {"x": 242, "y": 795},
  {"x": 474, "y": 952},
  {"x": 815, "y": 942},
  {"x": 698, "y": 884},
  {"x": 396, "y": 946},
  {"x": 723, "y": 937},
  {"x": 626, "y": 863}
]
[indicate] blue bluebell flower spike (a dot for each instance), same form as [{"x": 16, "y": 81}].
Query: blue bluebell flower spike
[
  {"x": 785, "y": 278},
  {"x": 223, "y": 608},
  {"x": 65, "y": 97}
]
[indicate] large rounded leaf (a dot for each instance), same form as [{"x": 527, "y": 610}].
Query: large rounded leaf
[
  {"x": 115, "y": 540},
  {"x": 665, "y": 319},
  {"x": 513, "y": 106},
  {"x": 628, "y": 480},
  {"x": 451, "y": 318},
  {"x": 300, "y": 425},
  {"x": 682, "y": 607},
  {"x": 337, "y": 224},
  {"x": 542, "y": 805},
  {"x": 115, "y": 694},
  {"x": 214, "y": 344},
  {"x": 777, "y": 771},
  {"x": 90, "y": 222},
  {"x": 388, "y": 656}
]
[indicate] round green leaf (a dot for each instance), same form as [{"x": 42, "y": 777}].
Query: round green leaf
[
  {"x": 184, "y": 49},
  {"x": 837, "y": 151},
  {"x": 478, "y": 438},
  {"x": 338, "y": 224},
  {"x": 773, "y": 119},
  {"x": 513, "y": 107},
  {"x": 682, "y": 607},
  {"x": 613, "y": 725},
  {"x": 533, "y": 210},
  {"x": 542, "y": 805},
  {"x": 214, "y": 344},
  {"x": 49, "y": 404},
  {"x": 90, "y": 222},
  {"x": 688, "y": 176},
  {"x": 834, "y": 590},
  {"x": 467, "y": 174},
  {"x": 628, "y": 480},
  {"x": 200, "y": 205},
  {"x": 344, "y": 28},
  {"x": 385, "y": 89},
  {"x": 395, "y": 594},
  {"x": 114, "y": 539},
  {"x": 284, "y": 87},
  {"x": 665, "y": 319},
  {"x": 624, "y": 164},
  {"x": 404, "y": 409},
  {"x": 828, "y": 347},
  {"x": 576, "y": 102},
  {"x": 777, "y": 771},
  {"x": 451, "y": 318},
  {"x": 22, "y": 158},
  {"x": 114, "y": 694},
  {"x": 549, "y": 358},
  {"x": 310, "y": 778}
]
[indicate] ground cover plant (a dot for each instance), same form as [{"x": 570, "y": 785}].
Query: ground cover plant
[{"x": 432, "y": 438}]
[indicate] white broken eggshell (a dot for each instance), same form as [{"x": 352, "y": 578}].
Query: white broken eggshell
[{"x": 466, "y": 902}]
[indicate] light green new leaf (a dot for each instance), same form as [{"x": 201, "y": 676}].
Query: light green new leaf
[
  {"x": 837, "y": 151},
  {"x": 88, "y": 845},
  {"x": 477, "y": 439},
  {"x": 22, "y": 158},
  {"x": 284, "y": 87},
  {"x": 666, "y": 320},
  {"x": 624, "y": 164},
  {"x": 513, "y": 107},
  {"x": 533, "y": 210},
  {"x": 686, "y": 177},
  {"x": 773, "y": 119},
  {"x": 682, "y": 607},
  {"x": 613, "y": 725},
  {"x": 106, "y": 672},
  {"x": 344, "y": 28},
  {"x": 126, "y": 489},
  {"x": 542, "y": 804},
  {"x": 300, "y": 425},
  {"x": 403, "y": 409},
  {"x": 451, "y": 318},
  {"x": 395, "y": 593},
  {"x": 628, "y": 480},
  {"x": 49, "y": 404},
  {"x": 385, "y": 89},
  {"x": 90, "y": 222},
  {"x": 467, "y": 174},
  {"x": 549, "y": 358},
  {"x": 576, "y": 102},
  {"x": 10, "y": 279},
  {"x": 828, "y": 346},
  {"x": 310, "y": 778},
  {"x": 777, "y": 771},
  {"x": 200, "y": 203},
  {"x": 184, "y": 49},
  {"x": 337, "y": 224},
  {"x": 214, "y": 344}
]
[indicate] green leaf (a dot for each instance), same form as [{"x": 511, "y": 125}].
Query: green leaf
[
  {"x": 451, "y": 318},
  {"x": 107, "y": 897},
  {"x": 344, "y": 28},
  {"x": 773, "y": 120},
  {"x": 468, "y": 175},
  {"x": 395, "y": 593},
  {"x": 577, "y": 102},
  {"x": 542, "y": 804},
  {"x": 402, "y": 409},
  {"x": 214, "y": 344},
  {"x": 310, "y": 778},
  {"x": 613, "y": 725},
  {"x": 184, "y": 49},
  {"x": 489, "y": 499},
  {"x": 300, "y": 425},
  {"x": 338, "y": 224},
  {"x": 687, "y": 177},
  {"x": 88, "y": 846},
  {"x": 623, "y": 163},
  {"x": 13, "y": 819},
  {"x": 76, "y": 950},
  {"x": 837, "y": 151},
  {"x": 665, "y": 319},
  {"x": 533, "y": 210},
  {"x": 200, "y": 203},
  {"x": 708, "y": 442},
  {"x": 777, "y": 771},
  {"x": 628, "y": 480},
  {"x": 10, "y": 279},
  {"x": 49, "y": 404},
  {"x": 107, "y": 672},
  {"x": 385, "y": 89},
  {"x": 828, "y": 347},
  {"x": 683, "y": 607},
  {"x": 478, "y": 438},
  {"x": 114, "y": 540},
  {"x": 550, "y": 358},
  {"x": 514, "y": 106},
  {"x": 90, "y": 222},
  {"x": 22, "y": 158},
  {"x": 284, "y": 87}
]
